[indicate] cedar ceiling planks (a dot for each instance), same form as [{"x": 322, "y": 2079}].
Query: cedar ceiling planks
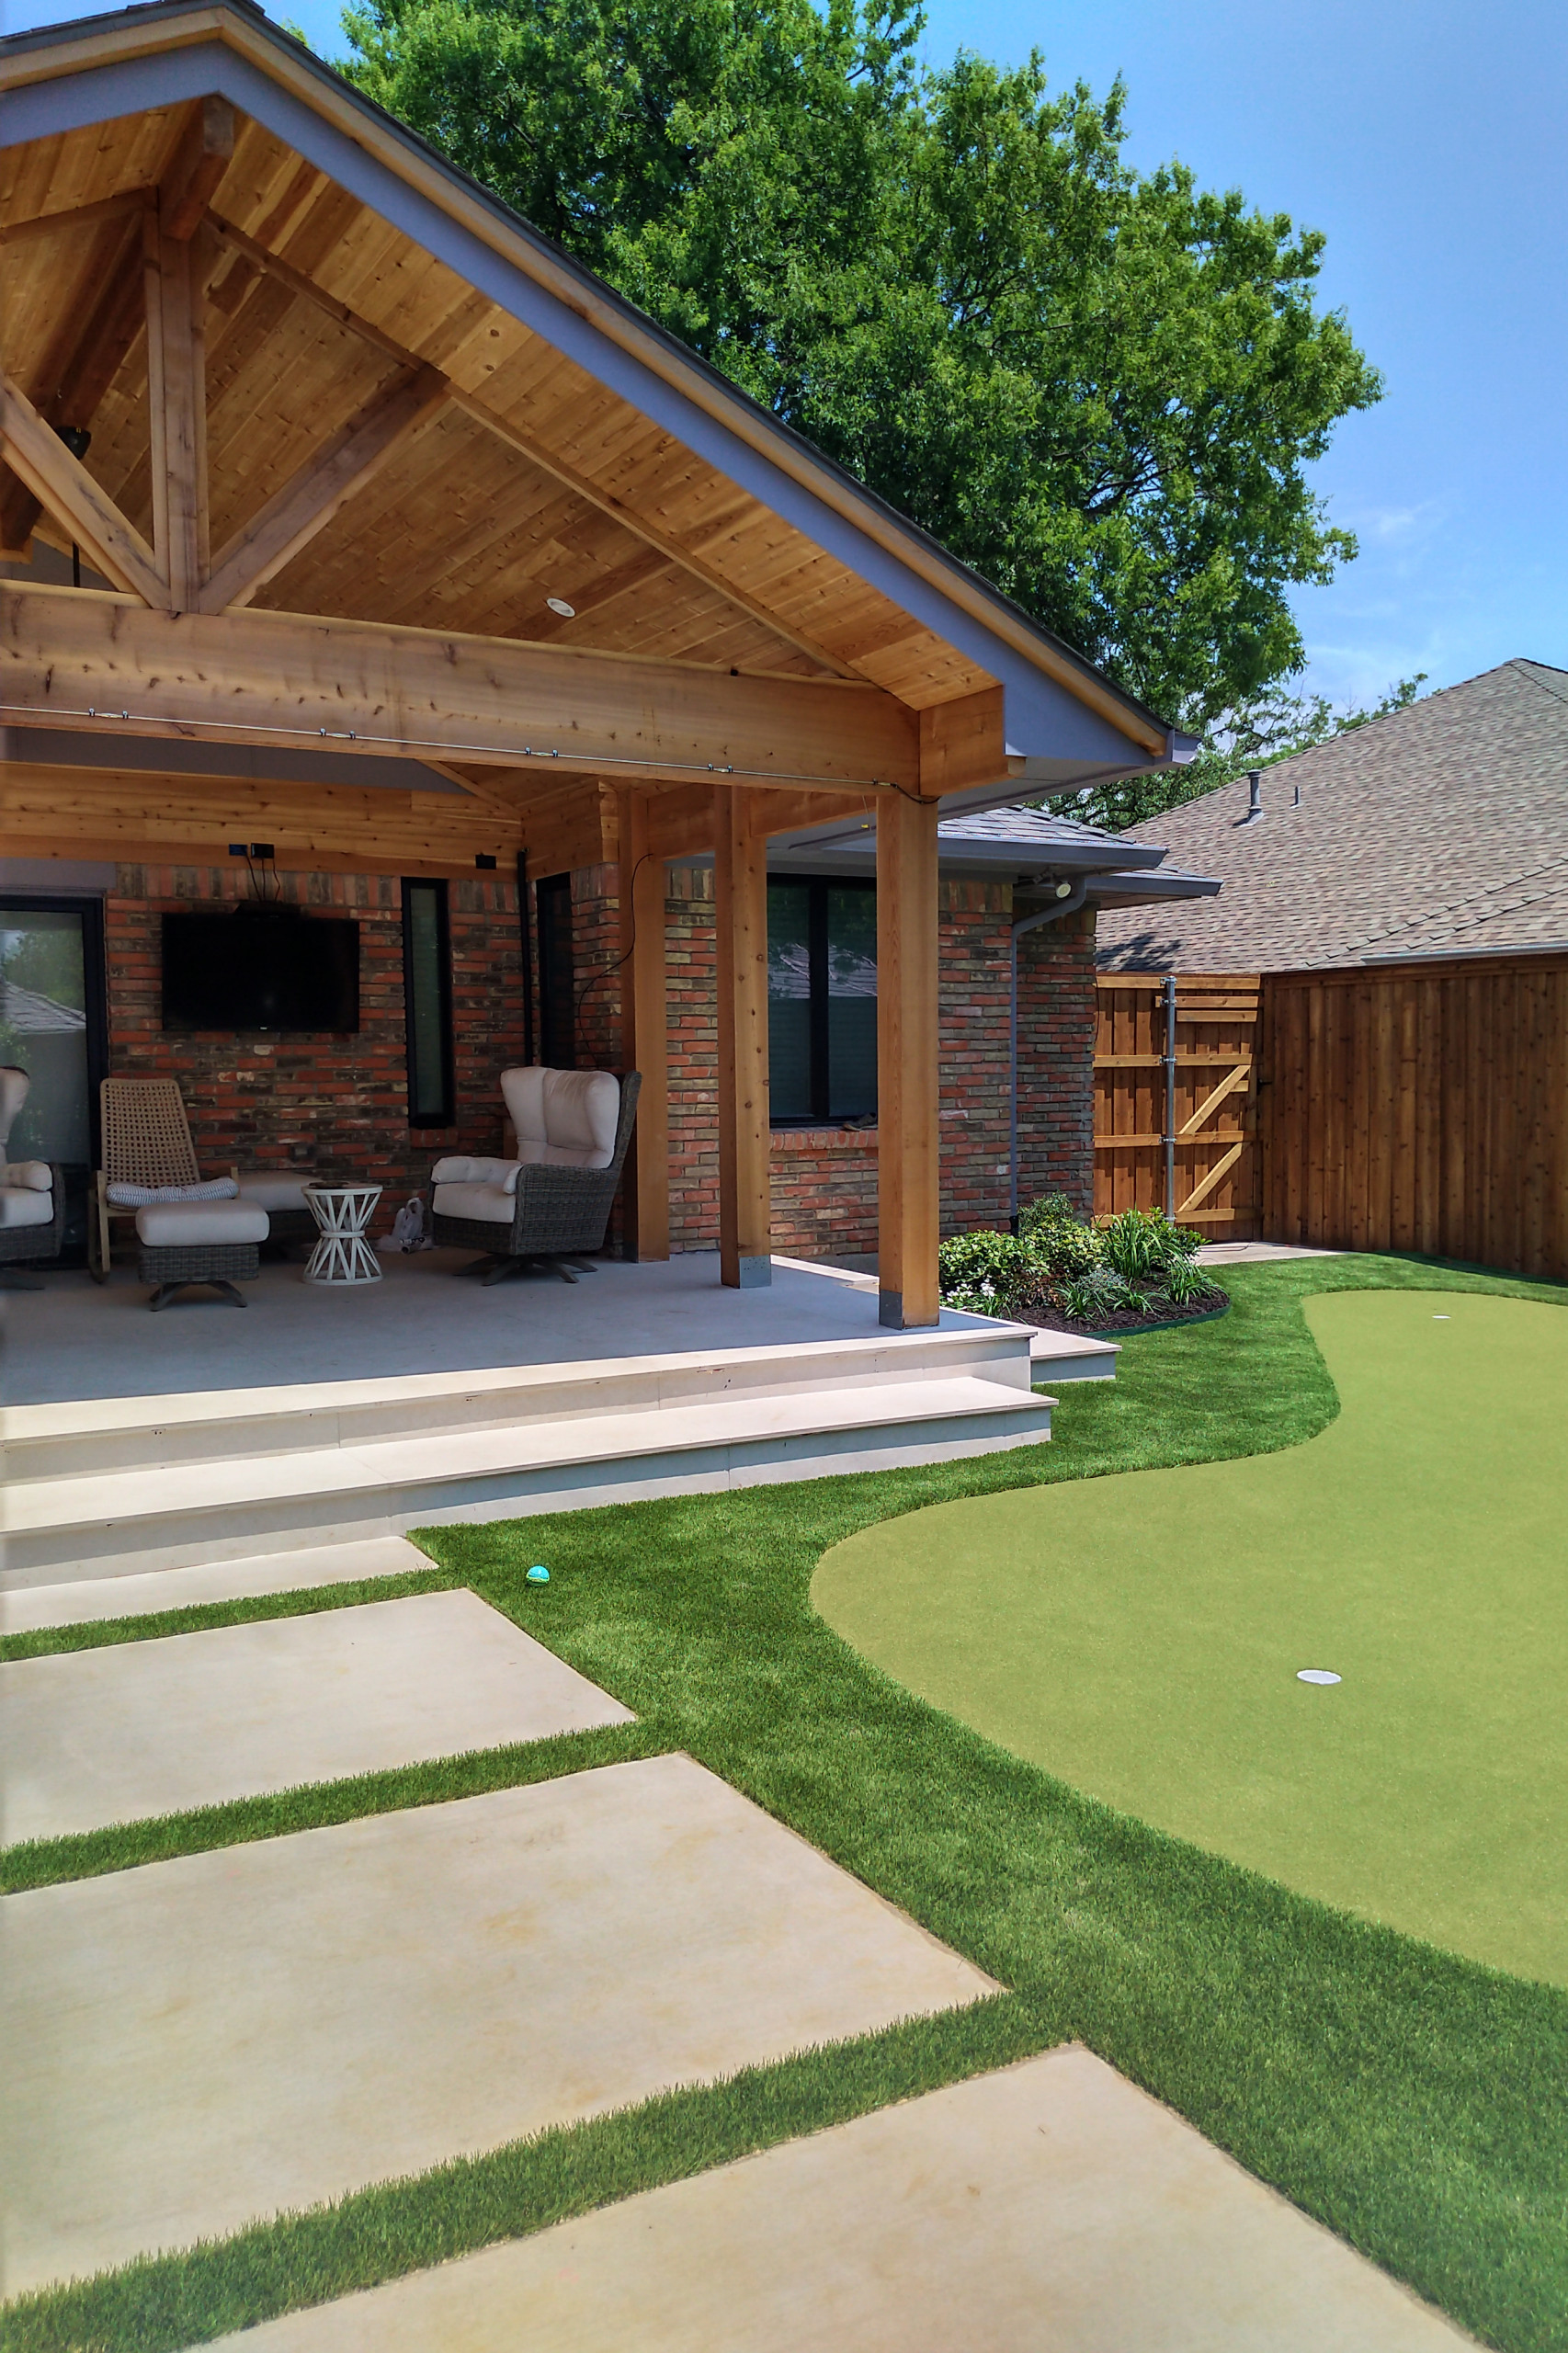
[{"x": 460, "y": 530}]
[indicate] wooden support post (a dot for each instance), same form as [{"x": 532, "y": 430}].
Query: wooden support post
[
  {"x": 177, "y": 390},
  {"x": 644, "y": 1028},
  {"x": 740, "y": 892},
  {"x": 908, "y": 1134}
]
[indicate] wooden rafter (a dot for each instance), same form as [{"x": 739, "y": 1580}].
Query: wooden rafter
[
  {"x": 273, "y": 265},
  {"x": 38, "y": 457},
  {"x": 205, "y": 152},
  {"x": 306, "y": 504},
  {"x": 92, "y": 349},
  {"x": 290, "y": 678},
  {"x": 87, "y": 353}
]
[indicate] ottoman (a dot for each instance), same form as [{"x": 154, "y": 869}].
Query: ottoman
[
  {"x": 288, "y": 1212},
  {"x": 199, "y": 1241}
]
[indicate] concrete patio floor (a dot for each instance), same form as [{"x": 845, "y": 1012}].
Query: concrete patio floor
[
  {"x": 1052, "y": 2207},
  {"x": 76, "y": 1339}
]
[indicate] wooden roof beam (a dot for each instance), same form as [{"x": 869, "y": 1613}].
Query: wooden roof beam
[
  {"x": 262, "y": 677},
  {"x": 93, "y": 349},
  {"x": 38, "y": 458},
  {"x": 261, "y": 257},
  {"x": 307, "y": 503},
  {"x": 86, "y": 356},
  {"x": 200, "y": 160}
]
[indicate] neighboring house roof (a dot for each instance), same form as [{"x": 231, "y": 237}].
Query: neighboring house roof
[
  {"x": 1441, "y": 830},
  {"x": 1014, "y": 844},
  {"x": 30, "y": 1014}
]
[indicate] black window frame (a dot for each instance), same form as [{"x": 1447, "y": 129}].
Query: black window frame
[
  {"x": 557, "y": 972},
  {"x": 817, "y": 887},
  {"x": 447, "y": 1115},
  {"x": 89, "y": 906}
]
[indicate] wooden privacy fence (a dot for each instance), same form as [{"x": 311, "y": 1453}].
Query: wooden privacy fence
[
  {"x": 1423, "y": 1107},
  {"x": 1175, "y": 1098},
  {"x": 1415, "y": 1106}
]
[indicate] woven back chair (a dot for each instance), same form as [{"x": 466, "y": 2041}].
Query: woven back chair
[{"x": 145, "y": 1140}]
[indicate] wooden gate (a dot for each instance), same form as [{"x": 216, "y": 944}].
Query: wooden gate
[{"x": 1175, "y": 1098}]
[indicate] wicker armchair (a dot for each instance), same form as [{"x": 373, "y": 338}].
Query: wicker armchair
[
  {"x": 32, "y": 1195},
  {"x": 145, "y": 1140},
  {"x": 552, "y": 1205}
]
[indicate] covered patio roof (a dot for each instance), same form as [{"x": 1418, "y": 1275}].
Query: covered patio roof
[{"x": 406, "y": 543}]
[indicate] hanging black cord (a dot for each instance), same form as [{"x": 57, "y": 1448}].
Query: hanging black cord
[{"x": 607, "y": 972}]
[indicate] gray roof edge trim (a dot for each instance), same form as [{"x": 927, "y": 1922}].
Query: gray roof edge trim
[
  {"x": 1144, "y": 890},
  {"x": 96, "y": 93},
  {"x": 1448, "y": 955}
]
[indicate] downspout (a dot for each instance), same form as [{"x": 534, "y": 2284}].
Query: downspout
[{"x": 1069, "y": 898}]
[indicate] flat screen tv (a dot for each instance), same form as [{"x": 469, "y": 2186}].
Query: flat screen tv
[{"x": 260, "y": 966}]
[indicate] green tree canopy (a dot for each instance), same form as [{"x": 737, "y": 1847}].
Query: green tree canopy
[{"x": 1101, "y": 388}]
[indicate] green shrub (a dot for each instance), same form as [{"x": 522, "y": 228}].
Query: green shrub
[
  {"x": 1143, "y": 1244},
  {"x": 984, "y": 1273},
  {"x": 1061, "y": 1243},
  {"x": 1184, "y": 1282}
]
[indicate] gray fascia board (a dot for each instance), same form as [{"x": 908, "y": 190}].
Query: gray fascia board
[
  {"x": 858, "y": 837},
  {"x": 1040, "y": 716},
  {"x": 1118, "y": 889}
]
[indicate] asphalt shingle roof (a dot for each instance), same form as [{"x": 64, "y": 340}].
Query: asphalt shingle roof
[{"x": 1441, "y": 828}]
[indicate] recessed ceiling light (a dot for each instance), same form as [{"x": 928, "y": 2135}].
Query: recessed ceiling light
[{"x": 559, "y": 604}]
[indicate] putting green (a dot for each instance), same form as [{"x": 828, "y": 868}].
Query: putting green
[{"x": 1140, "y": 1635}]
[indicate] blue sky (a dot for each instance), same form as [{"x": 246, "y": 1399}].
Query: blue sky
[{"x": 1427, "y": 142}]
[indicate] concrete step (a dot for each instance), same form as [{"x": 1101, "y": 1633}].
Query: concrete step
[
  {"x": 96, "y": 1436},
  {"x": 131, "y": 1519}
]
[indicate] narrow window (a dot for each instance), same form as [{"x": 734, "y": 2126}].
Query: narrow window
[
  {"x": 822, "y": 1001},
  {"x": 557, "y": 1023},
  {"x": 428, "y": 1005}
]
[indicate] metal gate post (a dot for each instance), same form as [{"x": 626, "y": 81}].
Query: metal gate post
[{"x": 1170, "y": 1136}]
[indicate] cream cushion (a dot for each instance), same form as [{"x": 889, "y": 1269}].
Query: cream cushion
[
  {"x": 492, "y": 1204},
  {"x": 458, "y": 1170},
  {"x": 565, "y": 1118},
  {"x": 274, "y": 1192},
  {"x": 35, "y": 1176},
  {"x": 20, "y": 1205},
  {"x": 193, "y": 1225}
]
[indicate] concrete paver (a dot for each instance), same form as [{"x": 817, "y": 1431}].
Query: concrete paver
[
  {"x": 85, "y": 1601},
  {"x": 189, "y": 2045},
  {"x": 90, "y": 1737},
  {"x": 1052, "y": 2207}
]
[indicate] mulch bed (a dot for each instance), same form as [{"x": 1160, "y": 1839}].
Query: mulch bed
[{"x": 1048, "y": 1319}]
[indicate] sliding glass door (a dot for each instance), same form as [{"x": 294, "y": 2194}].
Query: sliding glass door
[{"x": 51, "y": 1026}]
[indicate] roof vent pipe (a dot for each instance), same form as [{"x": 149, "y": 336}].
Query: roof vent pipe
[{"x": 1254, "y": 795}]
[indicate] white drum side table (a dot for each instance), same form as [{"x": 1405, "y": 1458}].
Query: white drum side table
[{"x": 343, "y": 1256}]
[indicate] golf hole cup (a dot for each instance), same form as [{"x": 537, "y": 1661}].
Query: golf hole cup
[{"x": 1316, "y": 1674}]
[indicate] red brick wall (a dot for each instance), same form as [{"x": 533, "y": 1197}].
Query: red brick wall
[
  {"x": 824, "y": 1180},
  {"x": 1057, "y": 1015},
  {"x": 323, "y": 1101}
]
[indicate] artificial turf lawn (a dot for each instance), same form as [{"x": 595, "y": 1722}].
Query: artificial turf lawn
[
  {"x": 1415, "y": 2102},
  {"x": 1140, "y": 1635}
]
